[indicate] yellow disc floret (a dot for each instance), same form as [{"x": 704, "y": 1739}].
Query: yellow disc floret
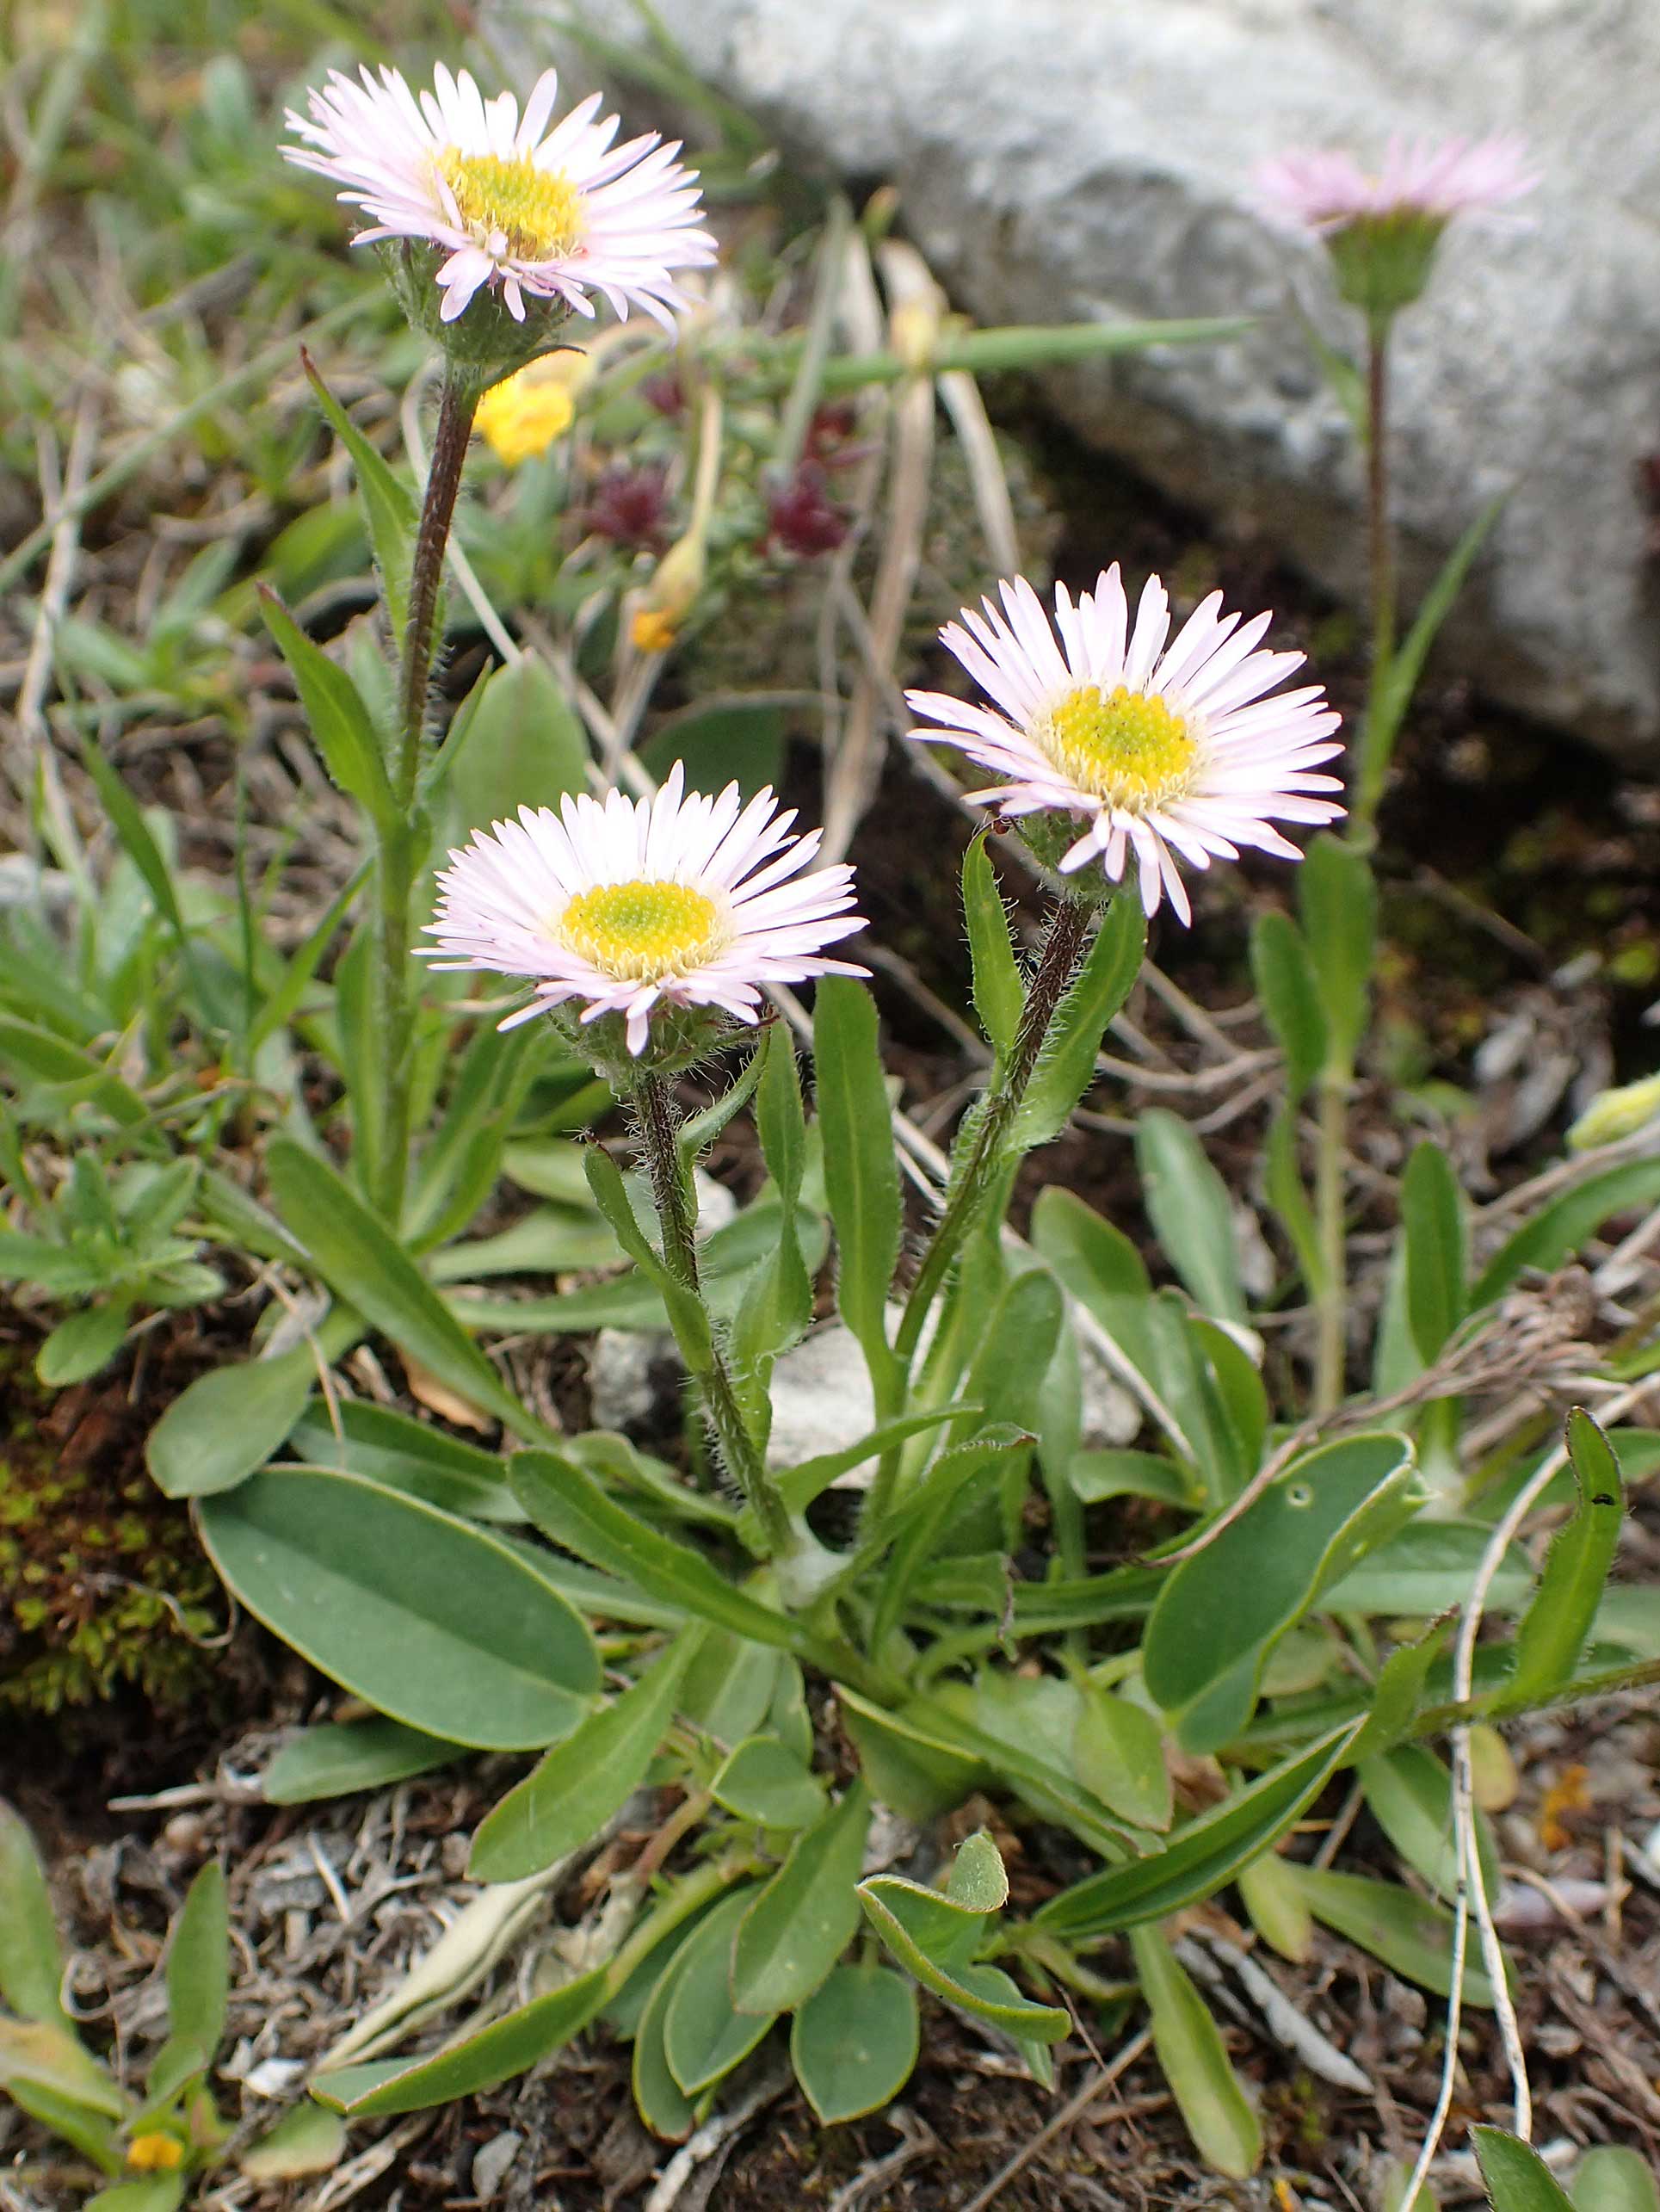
[
  {"x": 1128, "y": 749},
  {"x": 643, "y": 931},
  {"x": 538, "y": 211}
]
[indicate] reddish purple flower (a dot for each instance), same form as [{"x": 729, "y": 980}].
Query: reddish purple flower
[
  {"x": 802, "y": 517},
  {"x": 630, "y": 506}
]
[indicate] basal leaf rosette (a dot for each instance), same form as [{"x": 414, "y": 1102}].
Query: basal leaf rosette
[
  {"x": 496, "y": 227},
  {"x": 1117, "y": 746},
  {"x": 648, "y": 927}
]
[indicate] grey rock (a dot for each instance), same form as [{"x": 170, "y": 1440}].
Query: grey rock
[
  {"x": 626, "y": 1375},
  {"x": 1059, "y": 160},
  {"x": 490, "y": 2163}
]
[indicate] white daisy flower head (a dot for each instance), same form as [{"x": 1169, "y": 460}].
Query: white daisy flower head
[
  {"x": 480, "y": 200},
  {"x": 663, "y": 920},
  {"x": 1382, "y": 231},
  {"x": 1117, "y": 746}
]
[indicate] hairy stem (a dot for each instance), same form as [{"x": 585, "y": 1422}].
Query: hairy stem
[
  {"x": 1377, "y": 731},
  {"x": 400, "y": 853},
  {"x": 654, "y": 1117},
  {"x": 1057, "y": 968}
]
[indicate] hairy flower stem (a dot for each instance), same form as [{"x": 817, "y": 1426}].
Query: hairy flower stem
[
  {"x": 401, "y": 845},
  {"x": 1379, "y": 728},
  {"x": 653, "y": 1113},
  {"x": 1056, "y": 971}
]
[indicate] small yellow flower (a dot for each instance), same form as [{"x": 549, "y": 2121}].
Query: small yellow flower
[
  {"x": 652, "y": 631},
  {"x": 520, "y": 417},
  {"x": 155, "y": 2152},
  {"x": 670, "y": 597}
]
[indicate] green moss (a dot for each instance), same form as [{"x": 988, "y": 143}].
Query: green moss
[{"x": 102, "y": 1584}]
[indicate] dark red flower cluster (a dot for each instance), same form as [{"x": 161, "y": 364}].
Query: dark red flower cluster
[
  {"x": 630, "y": 506},
  {"x": 802, "y": 518}
]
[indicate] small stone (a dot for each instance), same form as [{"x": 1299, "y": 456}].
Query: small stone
[
  {"x": 490, "y": 2163},
  {"x": 627, "y": 1372}
]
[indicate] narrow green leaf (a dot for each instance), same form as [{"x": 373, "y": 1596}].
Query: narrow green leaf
[
  {"x": 198, "y": 1963},
  {"x": 45, "y": 2055},
  {"x": 1339, "y": 903},
  {"x": 388, "y": 506},
  {"x": 340, "y": 722},
  {"x": 687, "y": 1315},
  {"x": 999, "y": 994},
  {"x": 658, "y": 2097},
  {"x": 1551, "y": 1633},
  {"x": 82, "y": 1345},
  {"x": 1066, "y": 1065},
  {"x": 31, "y": 1964},
  {"x": 861, "y": 1178},
  {"x": 854, "y": 2043},
  {"x": 1195, "y": 2062},
  {"x": 1409, "y": 1933},
  {"x": 798, "y": 1485},
  {"x": 1279, "y": 1912},
  {"x": 1406, "y": 662},
  {"x": 698, "y": 1131},
  {"x": 1560, "y": 1228},
  {"x": 1432, "y": 1225},
  {"x": 1118, "y": 1749},
  {"x": 1284, "y": 976},
  {"x": 803, "y": 1919},
  {"x": 158, "y": 2192},
  {"x": 128, "y": 819},
  {"x": 1399, "y": 1689},
  {"x": 1188, "y": 1205},
  {"x": 581, "y": 1782},
  {"x": 927, "y": 1933},
  {"x": 477, "y": 2062},
  {"x": 1516, "y": 2177},
  {"x": 364, "y": 1264},
  {"x": 338, "y": 1758},
  {"x": 704, "y": 2035},
  {"x": 566, "y": 1504},
  {"x": 1204, "y": 1855},
  {"x": 1409, "y": 1794},
  {"x": 431, "y": 1620}
]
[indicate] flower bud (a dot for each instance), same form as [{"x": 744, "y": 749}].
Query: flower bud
[
  {"x": 669, "y": 598},
  {"x": 1615, "y": 1114}
]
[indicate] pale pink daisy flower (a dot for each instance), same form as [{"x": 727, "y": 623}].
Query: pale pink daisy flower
[
  {"x": 550, "y": 217},
  {"x": 630, "y": 906},
  {"x": 1323, "y": 191},
  {"x": 1159, "y": 748}
]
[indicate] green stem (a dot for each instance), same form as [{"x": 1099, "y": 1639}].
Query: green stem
[
  {"x": 653, "y": 1112},
  {"x": 1057, "y": 968},
  {"x": 1376, "y": 734},
  {"x": 400, "y": 853},
  {"x": 1331, "y": 1307}
]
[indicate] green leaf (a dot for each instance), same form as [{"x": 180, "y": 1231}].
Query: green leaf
[
  {"x": 1205, "y": 1854},
  {"x": 1221, "y": 1612},
  {"x": 1612, "y": 2178},
  {"x": 1428, "y": 1567},
  {"x": 798, "y": 1485},
  {"x": 340, "y": 1757},
  {"x": 698, "y": 1131},
  {"x": 130, "y": 826},
  {"x": 759, "y": 1780},
  {"x": 1431, "y": 1224},
  {"x": 1339, "y": 903},
  {"x": 719, "y": 745},
  {"x": 31, "y": 1964},
  {"x": 1551, "y": 1634},
  {"x": 1409, "y": 1933},
  {"x": 803, "y": 1919},
  {"x": 854, "y": 2043},
  {"x": 1118, "y": 1752},
  {"x": 1097, "y": 1476},
  {"x": 687, "y": 1315},
  {"x": 1278, "y": 1910},
  {"x": 1189, "y": 1206},
  {"x": 1517, "y": 2180},
  {"x": 431, "y": 1620},
  {"x": 861, "y": 1178},
  {"x": 307, "y": 2140},
  {"x": 1066, "y": 1065},
  {"x": 362, "y": 1264},
  {"x": 1409, "y": 1793},
  {"x": 340, "y": 722},
  {"x": 1406, "y": 662},
  {"x": 82, "y": 1344},
  {"x": 1399, "y": 1689},
  {"x": 931, "y": 1936},
  {"x": 1284, "y": 976},
  {"x": 477, "y": 2062},
  {"x": 908, "y": 1766},
  {"x": 1196, "y": 2061},
  {"x": 407, "y": 1455},
  {"x": 999, "y": 994},
  {"x": 228, "y": 1422},
  {"x": 523, "y": 747},
  {"x": 581, "y": 1782},
  {"x": 1560, "y": 1228},
  {"x": 198, "y": 1965},
  {"x": 978, "y": 1880},
  {"x": 46, "y": 2055},
  {"x": 388, "y": 506},
  {"x": 159, "y": 2192},
  {"x": 704, "y": 2035},
  {"x": 666, "y": 2110},
  {"x": 566, "y": 1504}
]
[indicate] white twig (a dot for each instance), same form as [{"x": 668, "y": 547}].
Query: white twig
[{"x": 712, "y": 2138}]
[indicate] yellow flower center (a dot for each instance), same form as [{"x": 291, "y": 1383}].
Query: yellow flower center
[
  {"x": 643, "y": 931},
  {"x": 1127, "y": 748},
  {"x": 538, "y": 211}
]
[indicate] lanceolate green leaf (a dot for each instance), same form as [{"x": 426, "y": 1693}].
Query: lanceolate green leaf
[
  {"x": 805, "y": 1917},
  {"x": 1188, "y": 1205},
  {"x": 1285, "y": 983},
  {"x": 388, "y": 505},
  {"x": 582, "y": 1781},
  {"x": 1551, "y": 1633},
  {"x": 704, "y": 2035},
  {"x": 910, "y": 1920},
  {"x": 479, "y": 2062},
  {"x": 437, "y": 1624},
  {"x": 1204, "y": 1855},
  {"x": 1432, "y": 1222},
  {"x": 687, "y": 1315},
  {"x": 998, "y": 992},
  {"x": 361, "y": 1261},
  {"x": 339, "y": 720},
  {"x": 565, "y": 1503},
  {"x": 340, "y": 1756},
  {"x": 1407, "y": 1932},
  {"x": 1196, "y": 2061},
  {"x": 31, "y": 1964},
  {"x": 861, "y": 1178},
  {"x": 1339, "y": 904},
  {"x": 1548, "y": 1237},
  {"x": 1517, "y": 2178},
  {"x": 1066, "y": 1066}
]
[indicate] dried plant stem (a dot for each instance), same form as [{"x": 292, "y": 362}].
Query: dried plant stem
[{"x": 400, "y": 854}]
